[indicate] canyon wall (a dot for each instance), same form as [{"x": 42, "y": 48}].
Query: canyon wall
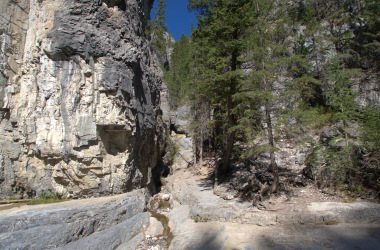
[{"x": 79, "y": 96}]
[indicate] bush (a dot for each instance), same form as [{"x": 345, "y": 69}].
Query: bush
[
  {"x": 332, "y": 222},
  {"x": 171, "y": 150},
  {"x": 51, "y": 195},
  {"x": 352, "y": 169},
  {"x": 349, "y": 200}
]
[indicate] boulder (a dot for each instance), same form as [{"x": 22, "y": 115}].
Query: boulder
[{"x": 98, "y": 223}]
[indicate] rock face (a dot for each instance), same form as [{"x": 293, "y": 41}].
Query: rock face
[
  {"x": 181, "y": 119},
  {"x": 79, "y": 96},
  {"x": 99, "y": 223},
  {"x": 177, "y": 126},
  {"x": 184, "y": 157}
]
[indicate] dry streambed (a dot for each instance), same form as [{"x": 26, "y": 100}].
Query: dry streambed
[{"x": 306, "y": 219}]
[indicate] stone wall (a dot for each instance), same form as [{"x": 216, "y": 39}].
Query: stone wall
[{"x": 79, "y": 97}]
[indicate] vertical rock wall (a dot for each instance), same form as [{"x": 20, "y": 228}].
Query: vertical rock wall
[{"x": 79, "y": 95}]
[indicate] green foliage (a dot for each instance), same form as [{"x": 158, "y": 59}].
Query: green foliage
[
  {"x": 200, "y": 6},
  {"x": 50, "y": 195},
  {"x": 340, "y": 95},
  {"x": 371, "y": 139},
  {"x": 219, "y": 44},
  {"x": 45, "y": 198},
  {"x": 248, "y": 62},
  {"x": 219, "y": 47},
  {"x": 332, "y": 222},
  {"x": 199, "y": 219},
  {"x": 255, "y": 151},
  {"x": 158, "y": 27},
  {"x": 371, "y": 128},
  {"x": 178, "y": 77},
  {"x": 338, "y": 162},
  {"x": 349, "y": 200},
  {"x": 367, "y": 39},
  {"x": 171, "y": 149},
  {"x": 344, "y": 167},
  {"x": 333, "y": 161}
]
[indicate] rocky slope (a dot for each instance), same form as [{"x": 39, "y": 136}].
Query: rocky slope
[{"x": 79, "y": 95}]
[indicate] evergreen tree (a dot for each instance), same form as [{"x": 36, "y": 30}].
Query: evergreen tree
[
  {"x": 268, "y": 49},
  {"x": 219, "y": 39},
  {"x": 178, "y": 76},
  {"x": 367, "y": 39},
  {"x": 341, "y": 100},
  {"x": 254, "y": 66},
  {"x": 158, "y": 28},
  {"x": 341, "y": 97},
  {"x": 344, "y": 59}
]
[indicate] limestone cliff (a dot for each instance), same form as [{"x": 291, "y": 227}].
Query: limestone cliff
[{"x": 79, "y": 95}]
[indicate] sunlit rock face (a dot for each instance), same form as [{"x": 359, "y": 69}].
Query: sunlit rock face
[{"x": 79, "y": 96}]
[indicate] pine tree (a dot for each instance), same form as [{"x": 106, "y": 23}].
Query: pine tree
[
  {"x": 178, "y": 75},
  {"x": 239, "y": 61},
  {"x": 266, "y": 49},
  {"x": 343, "y": 59},
  {"x": 158, "y": 28},
  {"x": 340, "y": 95},
  {"x": 219, "y": 39},
  {"x": 367, "y": 39}
]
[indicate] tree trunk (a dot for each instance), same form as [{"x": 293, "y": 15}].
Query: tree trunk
[
  {"x": 201, "y": 151},
  {"x": 195, "y": 149},
  {"x": 231, "y": 117},
  {"x": 227, "y": 156},
  {"x": 273, "y": 165},
  {"x": 230, "y": 139}
]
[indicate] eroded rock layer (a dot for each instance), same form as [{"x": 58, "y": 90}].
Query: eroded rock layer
[{"x": 79, "y": 95}]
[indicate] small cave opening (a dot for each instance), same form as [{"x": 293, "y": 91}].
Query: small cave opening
[
  {"x": 115, "y": 138},
  {"x": 173, "y": 128},
  {"x": 116, "y": 3}
]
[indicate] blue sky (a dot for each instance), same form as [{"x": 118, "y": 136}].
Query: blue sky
[{"x": 178, "y": 18}]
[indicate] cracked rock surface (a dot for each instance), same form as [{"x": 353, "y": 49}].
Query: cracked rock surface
[
  {"x": 79, "y": 96},
  {"x": 97, "y": 223}
]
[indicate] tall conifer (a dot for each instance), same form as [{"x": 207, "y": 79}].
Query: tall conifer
[
  {"x": 220, "y": 42},
  {"x": 158, "y": 27}
]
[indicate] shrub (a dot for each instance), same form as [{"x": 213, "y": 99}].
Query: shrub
[
  {"x": 45, "y": 198},
  {"x": 332, "y": 222},
  {"x": 51, "y": 195},
  {"x": 349, "y": 200},
  {"x": 171, "y": 149}
]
